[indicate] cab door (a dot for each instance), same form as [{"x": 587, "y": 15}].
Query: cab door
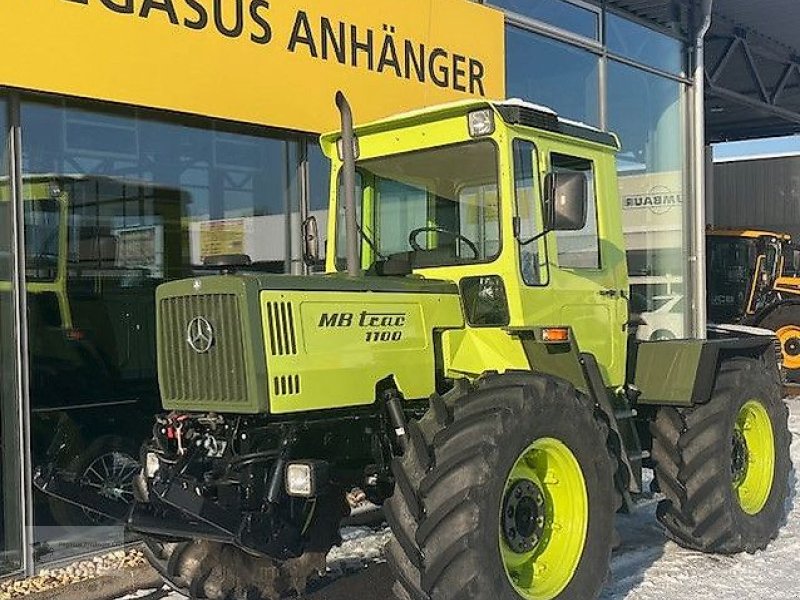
[{"x": 581, "y": 276}]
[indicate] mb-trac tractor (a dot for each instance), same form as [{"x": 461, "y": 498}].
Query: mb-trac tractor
[
  {"x": 467, "y": 363},
  {"x": 752, "y": 280}
]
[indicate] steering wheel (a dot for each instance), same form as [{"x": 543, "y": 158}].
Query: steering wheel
[{"x": 412, "y": 238}]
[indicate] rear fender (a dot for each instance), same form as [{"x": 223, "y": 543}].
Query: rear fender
[
  {"x": 760, "y": 316},
  {"x": 683, "y": 372}
]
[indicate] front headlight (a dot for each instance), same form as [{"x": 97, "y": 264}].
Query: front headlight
[
  {"x": 152, "y": 465},
  {"x": 481, "y": 122}
]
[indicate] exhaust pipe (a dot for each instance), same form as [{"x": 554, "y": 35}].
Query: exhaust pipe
[{"x": 349, "y": 184}]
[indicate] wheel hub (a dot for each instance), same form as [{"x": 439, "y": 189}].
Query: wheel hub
[
  {"x": 792, "y": 347},
  {"x": 789, "y": 336},
  {"x": 740, "y": 457},
  {"x": 753, "y": 457},
  {"x": 523, "y": 516}
]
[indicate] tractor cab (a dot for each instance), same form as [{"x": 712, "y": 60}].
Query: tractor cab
[{"x": 507, "y": 200}]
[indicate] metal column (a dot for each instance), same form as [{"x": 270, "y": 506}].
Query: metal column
[
  {"x": 697, "y": 265},
  {"x": 19, "y": 300}
]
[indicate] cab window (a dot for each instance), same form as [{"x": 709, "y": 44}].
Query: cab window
[
  {"x": 526, "y": 193},
  {"x": 579, "y": 249}
]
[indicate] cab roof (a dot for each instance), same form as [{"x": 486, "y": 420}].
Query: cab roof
[
  {"x": 513, "y": 112},
  {"x": 747, "y": 233}
]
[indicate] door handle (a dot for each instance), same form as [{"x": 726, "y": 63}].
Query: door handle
[{"x": 609, "y": 293}]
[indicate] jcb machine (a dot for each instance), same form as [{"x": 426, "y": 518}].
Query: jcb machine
[
  {"x": 752, "y": 280},
  {"x": 466, "y": 362}
]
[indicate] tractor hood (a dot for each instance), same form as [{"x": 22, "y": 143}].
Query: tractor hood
[{"x": 252, "y": 344}]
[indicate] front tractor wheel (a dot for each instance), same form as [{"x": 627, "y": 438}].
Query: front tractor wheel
[
  {"x": 724, "y": 466},
  {"x": 505, "y": 492}
]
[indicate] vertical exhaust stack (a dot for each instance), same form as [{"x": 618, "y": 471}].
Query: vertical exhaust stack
[{"x": 349, "y": 185}]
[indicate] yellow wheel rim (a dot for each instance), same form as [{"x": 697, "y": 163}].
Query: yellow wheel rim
[
  {"x": 544, "y": 520},
  {"x": 789, "y": 337},
  {"x": 753, "y": 457}
]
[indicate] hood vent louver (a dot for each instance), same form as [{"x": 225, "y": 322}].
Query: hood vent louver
[{"x": 282, "y": 336}]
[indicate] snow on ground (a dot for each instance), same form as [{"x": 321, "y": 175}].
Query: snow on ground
[{"x": 647, "y": 567}]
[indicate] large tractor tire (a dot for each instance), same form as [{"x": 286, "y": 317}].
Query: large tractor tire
[
  {"x": 785, "y": 322},
  {"x": 724, "y": 466},
  {"x": 206, "y": 570},
  {"x": 505, "y": 492}
]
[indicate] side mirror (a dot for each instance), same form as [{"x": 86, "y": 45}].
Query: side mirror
[
  {"x": 310, "y": 233},
  {"x": 566, "y": 196}
]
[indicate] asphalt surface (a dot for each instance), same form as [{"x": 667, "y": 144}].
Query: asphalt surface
[{"x": 374, "y": 581}]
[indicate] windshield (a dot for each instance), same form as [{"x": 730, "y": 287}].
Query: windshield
[{"x": 430, "y": 208}]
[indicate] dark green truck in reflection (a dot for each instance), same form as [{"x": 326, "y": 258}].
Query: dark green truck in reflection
[{"x": 95, "y": 250}]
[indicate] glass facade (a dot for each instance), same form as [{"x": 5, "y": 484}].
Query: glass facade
[
  {"x": 116, "y": 202},
  {"x": 553, "y": 73},
  {"x": 644, "y": 45},
  {"x": 563, "y": 14},
  {"x": 10, "y": 467},
  {"x": 630, "y": 84},
  {"x": 648, "y": 113}
]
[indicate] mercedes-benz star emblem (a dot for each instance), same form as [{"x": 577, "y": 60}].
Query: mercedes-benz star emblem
[{"x": 200, "y": 335}]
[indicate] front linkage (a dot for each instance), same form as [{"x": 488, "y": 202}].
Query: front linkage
[{"x": 274, "y": 490}]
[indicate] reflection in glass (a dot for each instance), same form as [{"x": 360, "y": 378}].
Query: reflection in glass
[
  {"x": 116, "y": 203},
  {"x": 648, "y": 114},
  {"x": 10, "y": 510},
  {"x": 559, "y": 13},
  {"x": 644, "y": 45},
  {"x": 319, "y": 193},
  {"x": 554, "y": 74}
]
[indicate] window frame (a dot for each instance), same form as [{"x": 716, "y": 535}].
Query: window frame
[{"x": 538, "y": 206}]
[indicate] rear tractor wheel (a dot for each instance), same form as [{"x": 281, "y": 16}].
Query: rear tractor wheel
[
  {"x": 785, "y": 322},
  {"x": 724, "y": 466},
  {"x": 506, "y": 492}
]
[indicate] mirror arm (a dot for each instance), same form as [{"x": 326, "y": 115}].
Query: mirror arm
[{"x": 537, "y": 237}]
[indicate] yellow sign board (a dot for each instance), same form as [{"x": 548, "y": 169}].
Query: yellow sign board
[
  {"x": 218, "y": 238},
  {"x": 270, "y": 62}
]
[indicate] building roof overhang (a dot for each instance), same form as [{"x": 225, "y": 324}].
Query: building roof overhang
[{"x": 752, "y": 62}]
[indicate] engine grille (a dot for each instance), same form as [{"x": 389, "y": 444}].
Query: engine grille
[{"x": 217, "y": 375}]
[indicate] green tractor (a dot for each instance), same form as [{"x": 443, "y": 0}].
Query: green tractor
[{"x": 466, "y": 362}]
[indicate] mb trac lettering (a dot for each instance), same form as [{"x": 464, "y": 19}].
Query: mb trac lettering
[{"x": 379, "y": 326}]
